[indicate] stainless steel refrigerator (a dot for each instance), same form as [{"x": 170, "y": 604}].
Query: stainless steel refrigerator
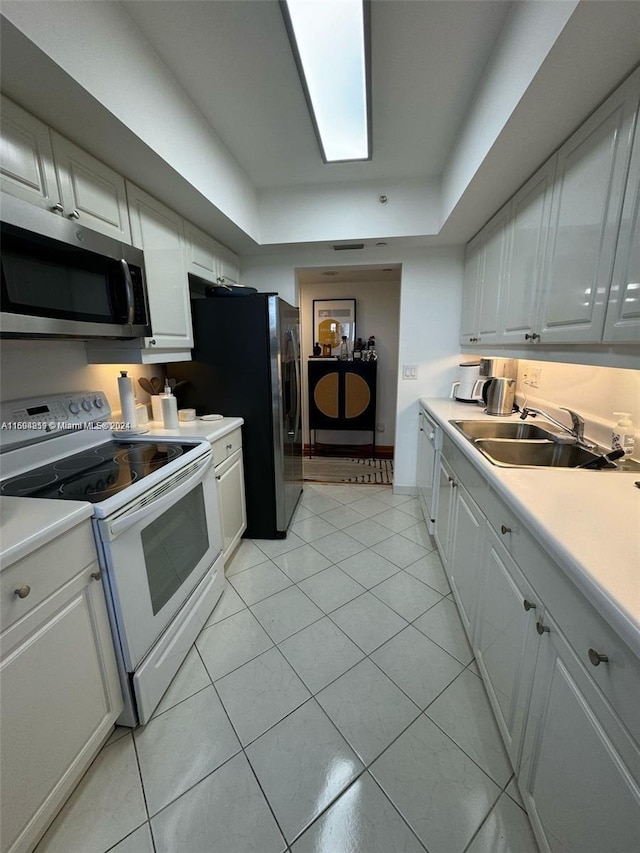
[{"x": 246, "y": 362}]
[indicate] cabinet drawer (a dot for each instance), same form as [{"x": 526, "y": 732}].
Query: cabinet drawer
[
  {"x": 225, "y": 446},
  {"x": 44, "y": 571}
]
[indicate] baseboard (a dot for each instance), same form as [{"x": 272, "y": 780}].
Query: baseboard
[
  {"x": 404, "y": 490},
  {"x": 352, "y": 451}
]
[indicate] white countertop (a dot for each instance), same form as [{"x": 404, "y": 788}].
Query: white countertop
[
  {"x": 28, "y": 523},
  {"x": 588, "y": 521},
  {"x": 198, "y": 429}
]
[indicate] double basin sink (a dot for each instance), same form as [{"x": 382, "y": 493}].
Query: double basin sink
[{"x": 527, "y": 445}]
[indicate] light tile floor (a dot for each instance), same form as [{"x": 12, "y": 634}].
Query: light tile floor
[{"x": 330, "y": 705}]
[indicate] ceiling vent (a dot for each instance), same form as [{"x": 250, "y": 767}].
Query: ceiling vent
[{"x": 346, "y": 247}]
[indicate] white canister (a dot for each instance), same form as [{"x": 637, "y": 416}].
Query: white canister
[
  {"x": 142, "y": 414},
  {"x": 186, "y": 414},
  {"x": 156, "y": 408}
]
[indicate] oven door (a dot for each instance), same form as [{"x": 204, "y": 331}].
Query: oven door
[{"x": 156, "y": 551}]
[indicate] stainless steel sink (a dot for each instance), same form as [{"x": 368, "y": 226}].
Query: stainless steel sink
[
  {"x": 515, "y": 444},
  {"x": 537, "y": 454},
  {"x": 507, "y": 429}
]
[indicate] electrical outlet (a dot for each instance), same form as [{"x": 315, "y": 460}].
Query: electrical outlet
[{"x": 409, "y": 371}]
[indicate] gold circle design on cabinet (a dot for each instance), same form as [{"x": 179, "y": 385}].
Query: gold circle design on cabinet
[
  {"x": 325, "y": 395},
  {"x": 357, "y": 395}
]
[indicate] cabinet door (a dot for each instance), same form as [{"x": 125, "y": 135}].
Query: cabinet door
[
  {"x": 506, "y": 640},
  {"x": 579, "y": 768},
  {"x": 467, "y": 534},
  {"x": 473, "y": 271},
  {"x": 91, "y": 193},
  {"x": 623, "y": 311},
  {"x": 228, "y": 266},
  {"x": 158, "y": 232},
  {"x": 201, "y": 253},
  {"x": 60, "y": 697},
  {"x": 425, "y": 464},
  {"x": 233, "y": 514},
  {"x": 446, "y": 488},
  {"x": 495, "y": 253},
  {"x": 26, "y": 157},
  {"x": 585, "y": 215},
  {"x": 528, "y": 232}
]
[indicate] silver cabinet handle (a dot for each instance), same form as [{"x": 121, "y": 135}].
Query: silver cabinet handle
[
  {"x": 229, "y": 446},
  {"x": 504, "y": 530},
  {"x": 57, "y": 207},
  {"x": 529, "y": 605},
  {"x": 74, "y": 215},
  {"x": 542, "y": 629},
  {"x": 533, "y": 337},
  {"x": 596, "y": 658},
  {"x": 95, "y": 576},
  {"x": 23, "y": 591}
]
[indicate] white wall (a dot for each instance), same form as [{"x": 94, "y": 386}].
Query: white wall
[
  {"x": 430, "y": 305},
  {"x": 593, "y": 392},
  {"x": 377, "y": 313},
  {"x": 30, "y": 367},
  {"x": 349, "y": 211}
]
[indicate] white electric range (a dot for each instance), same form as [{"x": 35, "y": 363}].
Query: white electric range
[{"x": 155, "y": 519}]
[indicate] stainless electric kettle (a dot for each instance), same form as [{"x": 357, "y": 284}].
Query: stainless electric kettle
[{"x": 498, "y": 394}]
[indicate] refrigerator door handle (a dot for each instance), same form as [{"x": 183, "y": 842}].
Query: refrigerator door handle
[{"x": 296, "y": 361}]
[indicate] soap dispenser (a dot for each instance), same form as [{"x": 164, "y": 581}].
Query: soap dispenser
[
  {"x": 624, "y": 435},
  {"x": 169, "y": 408}
]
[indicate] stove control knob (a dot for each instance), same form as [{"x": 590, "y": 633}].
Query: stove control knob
[
  {"x": 98, "y": 403},
  {"x": 74, "y": 408},
  {"x": 86, "y": 405}
]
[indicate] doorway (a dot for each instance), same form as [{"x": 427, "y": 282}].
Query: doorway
[{"x": 355, "y": 454}]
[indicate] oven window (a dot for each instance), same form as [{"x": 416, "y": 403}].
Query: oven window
[{"x": 173, "y": 545}]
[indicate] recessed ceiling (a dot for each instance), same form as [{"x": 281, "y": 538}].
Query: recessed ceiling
[{"x": 235, "y": 63}]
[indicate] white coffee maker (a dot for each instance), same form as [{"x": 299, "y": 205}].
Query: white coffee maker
[{"x": 468, "y": 387}]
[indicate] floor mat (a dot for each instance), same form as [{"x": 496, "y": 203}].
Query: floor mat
[{"x": 327, "y": 469}]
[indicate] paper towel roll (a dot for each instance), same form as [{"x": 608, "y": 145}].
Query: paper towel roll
[{"x": 127, "y": 400}]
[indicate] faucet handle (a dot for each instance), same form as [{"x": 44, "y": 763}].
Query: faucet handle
[{"x": 577, "y": 421}]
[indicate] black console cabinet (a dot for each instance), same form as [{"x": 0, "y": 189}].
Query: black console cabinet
[{"x": 342, "y": 395}]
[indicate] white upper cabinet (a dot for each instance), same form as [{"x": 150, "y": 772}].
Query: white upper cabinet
[
  {"x": 473, "y": 271},
  {"x": 527, "y": 239},
  {"x": 585, "y": 216},
  {"x": 42, "y": 167},
  {"x": 207, "y": 258},
  {"x": 158, "y": 232},
  {"x": 495, "y": 250},
  {"x": 26, "y": 157},
  {"x": 91, "y": 193},
  {"x": 623, "y": 312}
]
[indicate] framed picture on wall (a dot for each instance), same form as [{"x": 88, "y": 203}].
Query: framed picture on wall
[{"x": 333, "y": 318}]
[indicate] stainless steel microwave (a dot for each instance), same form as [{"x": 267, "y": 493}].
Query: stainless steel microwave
[{"x": 61, "y": 280}]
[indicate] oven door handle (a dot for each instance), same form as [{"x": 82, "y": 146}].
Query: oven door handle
[{"x": 162, "y": 502}]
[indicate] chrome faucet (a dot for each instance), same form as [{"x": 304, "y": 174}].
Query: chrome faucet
[{"x": 576, "y": 430}]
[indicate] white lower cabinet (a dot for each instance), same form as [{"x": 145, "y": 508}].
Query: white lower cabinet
[
  {"x": 505, "y": 639},
  {"x": 579, "y": 770},
  {"x": 564, "y": 688},
  {"x": 442, "y": 533},
  {"x": 467, "y": 533},
  {"x": 59, "y": 688},
  {"x": 233, "y": 513},
  {"x": 229, "y": 470}
]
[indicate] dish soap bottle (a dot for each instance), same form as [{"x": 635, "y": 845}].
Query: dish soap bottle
[
  {"x": 169, "y": 409},
  {"x": 624, "y": 435}
]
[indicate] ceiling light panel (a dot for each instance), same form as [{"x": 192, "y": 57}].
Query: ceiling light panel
[{"x": 330, "y": 41}]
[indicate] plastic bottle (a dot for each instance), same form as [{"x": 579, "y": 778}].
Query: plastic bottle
[
  {"x": 127, "y": 400},
  {"x": 169, "y": 409},
  {"x": 624, "y": 434}
]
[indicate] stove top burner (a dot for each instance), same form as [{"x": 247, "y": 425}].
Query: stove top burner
[{"x": 97, "y": 474}]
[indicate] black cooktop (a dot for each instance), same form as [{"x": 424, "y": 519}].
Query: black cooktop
[{"x": 97, "y": 473}]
